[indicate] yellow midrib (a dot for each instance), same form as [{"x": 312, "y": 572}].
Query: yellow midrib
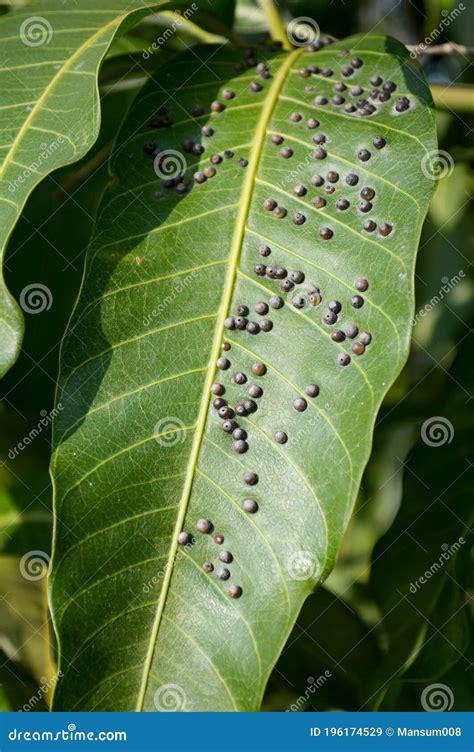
[{"x": 234, "y": 258}]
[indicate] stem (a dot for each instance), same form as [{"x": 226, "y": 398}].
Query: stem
[
  {"x": 275, "y": 24},
  {"x": 459, "y": 98},
  {"x": 441, "y": 49}
]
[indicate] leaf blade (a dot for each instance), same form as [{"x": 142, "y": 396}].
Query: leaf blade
[{"x": 141, "y": 244}]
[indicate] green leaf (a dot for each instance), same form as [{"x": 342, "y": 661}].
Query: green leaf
[
  {"x": 139, "y": 451},
  {"x": 50, "y": 113}
]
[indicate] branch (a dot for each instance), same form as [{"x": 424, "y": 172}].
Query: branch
[
  {"x": 448, "y": 48},
  {"x": 275, "y": 24},
  {"x": 459, "y": 98}
]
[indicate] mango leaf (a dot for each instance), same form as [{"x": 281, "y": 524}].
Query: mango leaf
[
  {"x": 50, "y": 113},
  {"x": 140, "y": 455}
]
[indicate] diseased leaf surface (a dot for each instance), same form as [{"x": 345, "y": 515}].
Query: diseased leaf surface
[
  {"x": 49, "y": 114},
  {"x": 140, "y": 454}
]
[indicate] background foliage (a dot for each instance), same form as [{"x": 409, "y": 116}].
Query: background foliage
[{"x": 365, "y": 639}]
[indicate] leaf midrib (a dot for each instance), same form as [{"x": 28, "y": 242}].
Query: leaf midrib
[{"x": 234, "y": 258}]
